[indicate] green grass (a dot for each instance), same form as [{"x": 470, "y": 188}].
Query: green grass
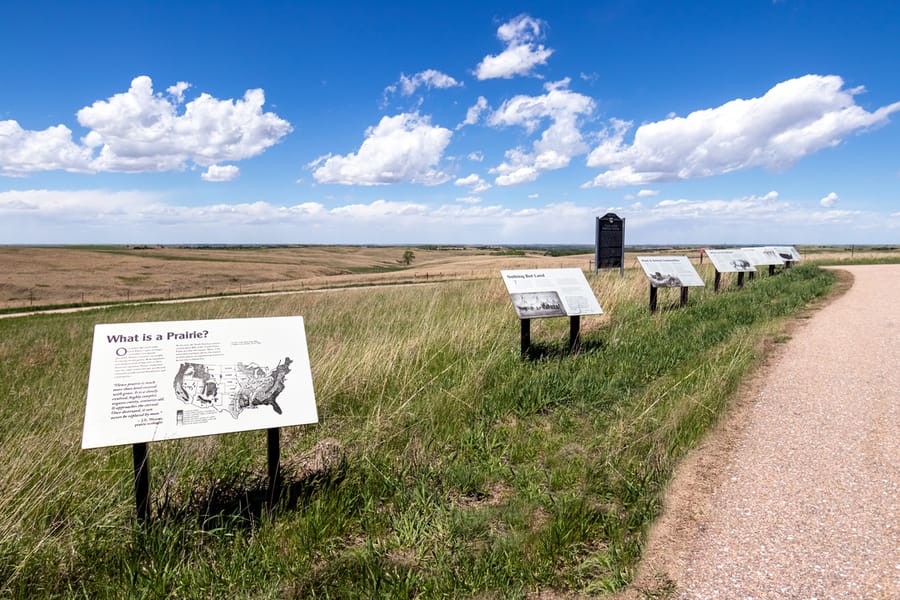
[{"x": 461, "y": 470}]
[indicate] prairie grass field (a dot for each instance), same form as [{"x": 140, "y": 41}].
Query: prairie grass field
[
  {"x": 49, "y": 276},
  {"x": 43, "y": 277},
  {"x": 444, "y": 465}
]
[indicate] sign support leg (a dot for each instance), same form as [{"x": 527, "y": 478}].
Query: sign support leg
[
  {"x": 274, "y": 456},
  {"x": 684, "y": 296},
  {"x": 574, "y": 333},
  {"x": 526, "y": 336},
  {"x": 141, "y": 481},
  {"x": 751, "y": 276},
  {"x": 652, "y": 298},
  {"x": 771, "y": 269},
  {"x": 740, "y": 281},
  {"x": 718, "y": 282}
]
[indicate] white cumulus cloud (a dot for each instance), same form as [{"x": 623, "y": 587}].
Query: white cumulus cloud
[
  {"x": 402, "y": 148},
  {"x": 429, "y": 79},
  {"x": 829, "y": 200},
  {"x": 522, "y": 53},
  {"x": 558, "y": 143},
  {"x": 792, "y": 120},
  {"x": 475, "y": 182},
  {"x": 647, "y": 193},
  {"x": 23, "y": 151},
  {"x": 143, "y": 131},
  {"x": 223, "y": 173},
  {"x": 380, "y": 209},
  {"x": 177, "y": 91},
  {"x": 474, "y": 112}
]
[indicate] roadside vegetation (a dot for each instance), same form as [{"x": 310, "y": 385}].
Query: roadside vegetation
[{"x": 444, "y": 465}]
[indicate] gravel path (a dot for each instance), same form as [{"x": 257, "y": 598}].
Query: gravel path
[{"x": 797, "y": 495}]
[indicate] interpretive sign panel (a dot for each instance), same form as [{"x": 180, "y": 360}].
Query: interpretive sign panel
[
  {"x": 174, "y": 379},
  {"x": 788, "y": 253},
  {"x": 730, "y": 260},
  {"x": 670, "y": 271},
  {"x": 763, "y": 255},
  {"x": 550, "y": 293}
]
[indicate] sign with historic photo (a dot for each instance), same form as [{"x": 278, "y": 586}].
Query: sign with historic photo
[
  {"x": 670, "y": 271},
  {"x": 729, "y": 260},
  {"x": 550, "y": 293},
  {"x": 788, "y": 253},
  {"x": 174, "y": 379},
  {"x": 763, "y": 255}
]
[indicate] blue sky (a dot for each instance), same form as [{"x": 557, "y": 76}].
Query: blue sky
[{"x": 459, "y": 122}]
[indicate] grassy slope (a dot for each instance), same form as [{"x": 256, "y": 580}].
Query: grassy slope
[{"x": 463, "y": 470}]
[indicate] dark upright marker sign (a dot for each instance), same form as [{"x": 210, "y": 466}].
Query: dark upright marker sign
[{"x": 610, "y": 248}]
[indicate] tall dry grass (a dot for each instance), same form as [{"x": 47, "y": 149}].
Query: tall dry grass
[{"x": 443, "y": 463}]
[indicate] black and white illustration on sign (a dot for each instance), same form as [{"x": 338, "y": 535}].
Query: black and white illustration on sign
[
  {"x": 762, "y": 256},
  {"x": 788, "y": 253},
  {"x": 550, "y": 293},
  {"x": 730, "y": 260},
  {"x": 670, "y": 271},
  {"x": 538, "y": 304},
  {"x": 231, "y": 388},
  {"x": 175, "y": 379}
]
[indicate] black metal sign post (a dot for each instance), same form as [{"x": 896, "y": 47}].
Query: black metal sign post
[
  {"x": 574, "y": 333},
  {"x": 141, "y": 457},
  {"x": 141, "y": 481},
  {"x": 526, "y": 336},
  {"x": 771, "y": 269},
  {"x": 751, "y": 276},
  {"x": 273, "y": 439},
  {"x": 653, "y": 294},
  {"x": 740, "y": 280}
]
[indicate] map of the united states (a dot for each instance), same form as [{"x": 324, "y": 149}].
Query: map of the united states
[{"x": 232, "y": 388}]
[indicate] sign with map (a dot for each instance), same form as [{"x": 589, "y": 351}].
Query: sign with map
[
  {"x": 730, "y": 260},
  {"x": 670, "y": 271},
  {"x": 550, "y": 293},
  {"x": 763, "y": 255},
  {"x": 174, "y": 379}
]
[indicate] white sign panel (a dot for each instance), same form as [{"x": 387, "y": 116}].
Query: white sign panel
[
  {"x": 788, "y": 253},
  {"x": 762, "y": 256},
  {"x": 550, "y": 293},
  {"x": 730, "y": 261},
  {"x": 670, "y": 271},
  {"x": 175, "y": 379}
]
